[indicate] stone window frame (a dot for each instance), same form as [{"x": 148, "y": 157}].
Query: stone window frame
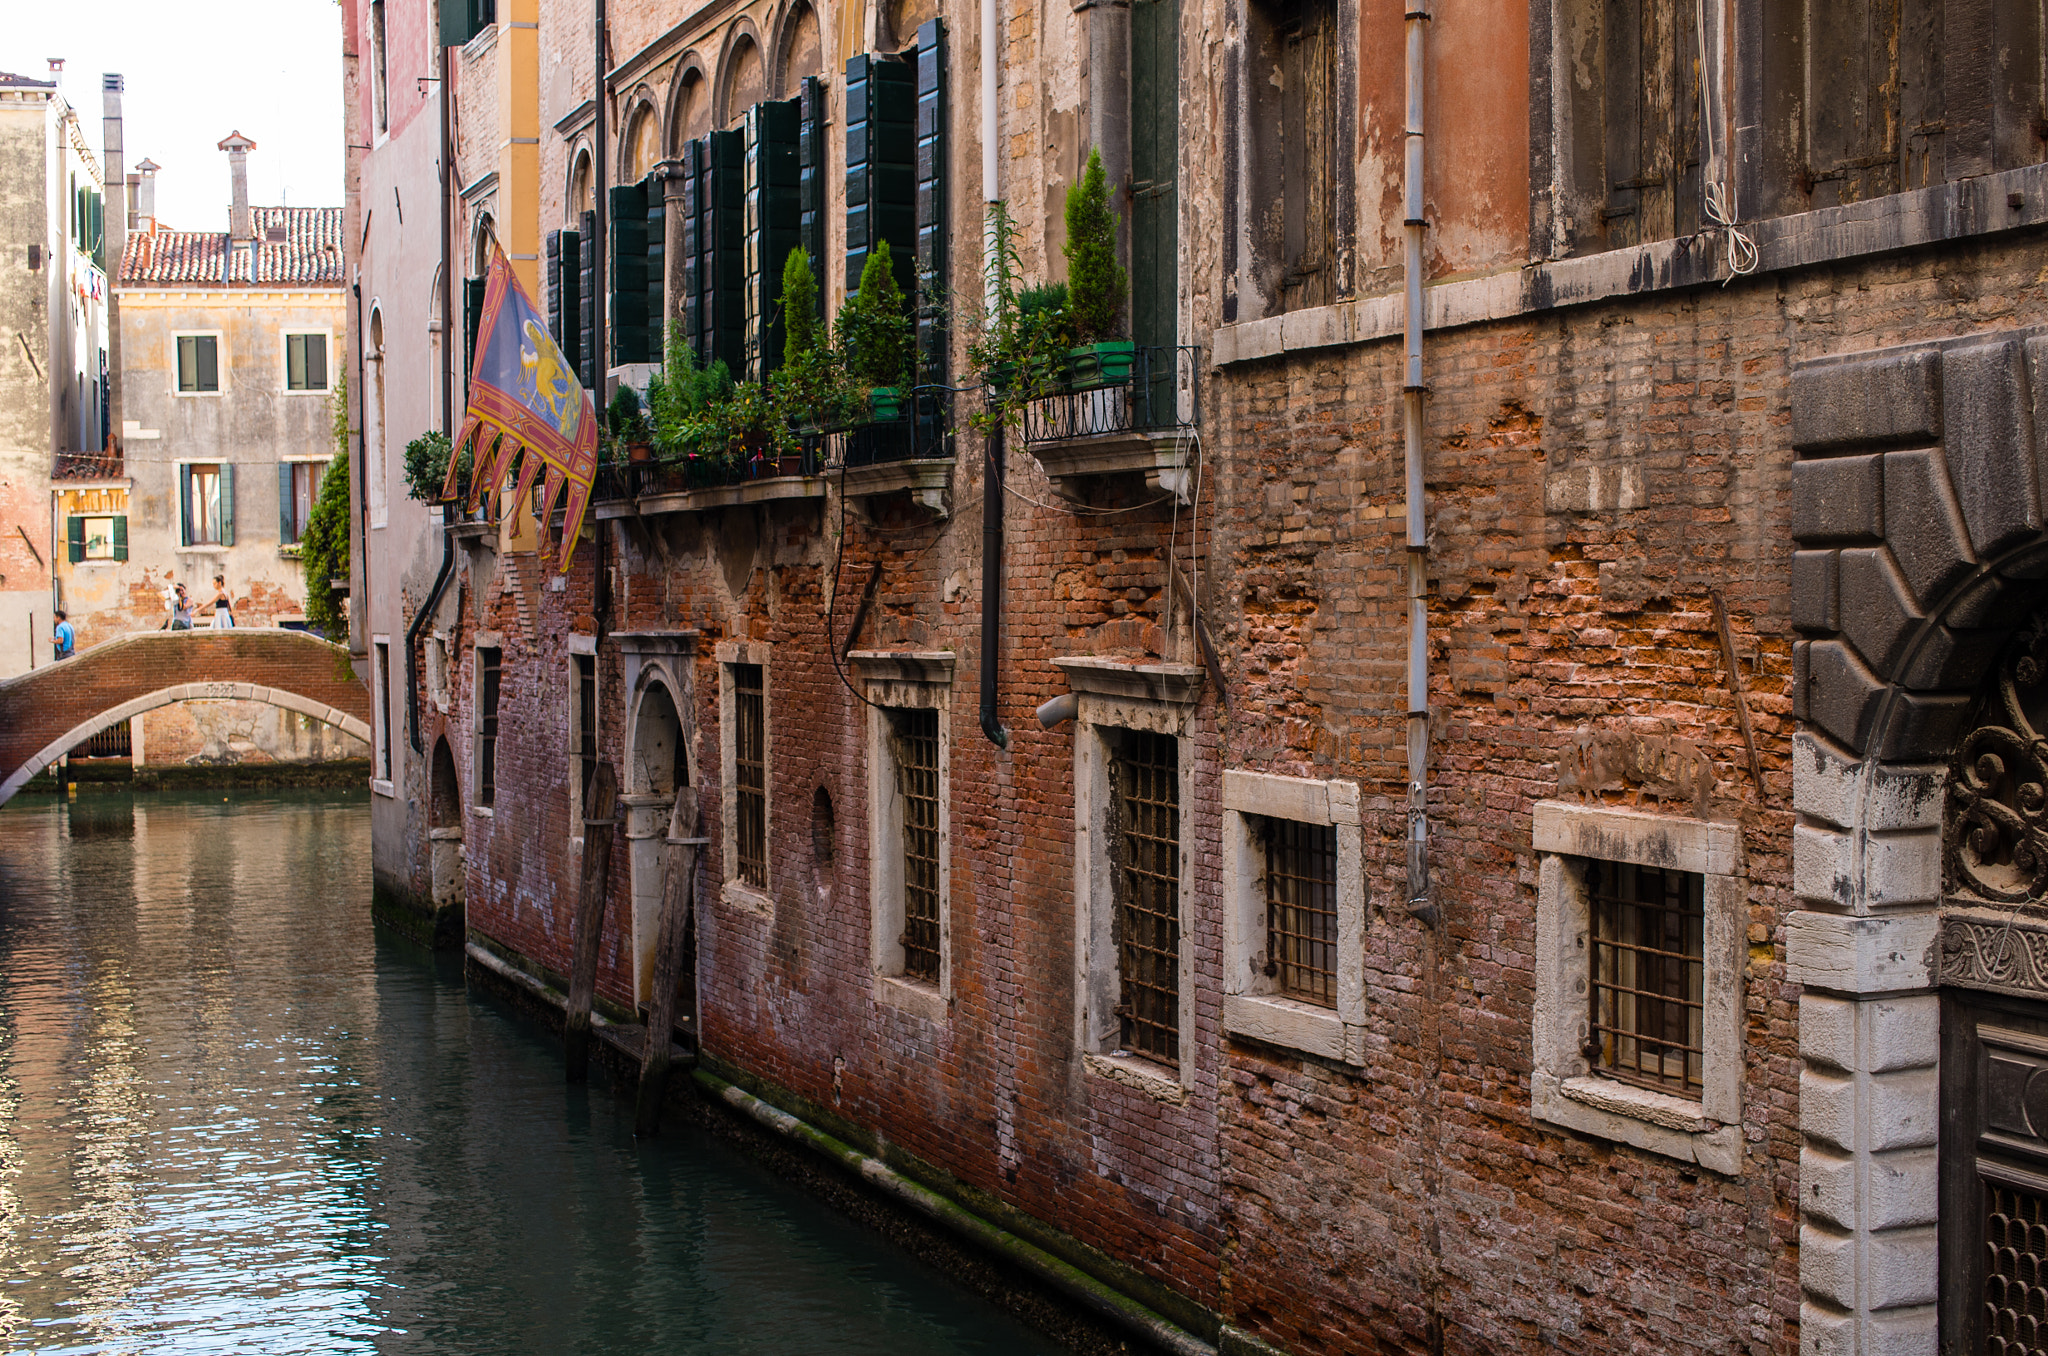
[
  {"x": 579, "y": 647},
  {"x": 1564, "y": 1091},
  {"x": 1117, "y": 695},
  {"x": 733, "y": 891},
  {"x": 484, "y": 640},
  {"x": 900, "y": 680},
  {"x": 220, "y": 365},
  {"x": 1253, "y": 1005},
  {"x": 285, "y": 337},
  {"x": 381, "y": 755}
]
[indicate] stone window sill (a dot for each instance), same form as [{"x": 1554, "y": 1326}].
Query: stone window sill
[
  {"x": 912, "y": 996},
  {"x": 1133, "y": 1071},
  {"x": 1289, "y": 1022},
  {"x": 747, "y": 899},
  {"x": 383, "y": 788},
  {"x": 1656, "y": 1121}
]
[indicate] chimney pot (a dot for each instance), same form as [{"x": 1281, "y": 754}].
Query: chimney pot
[{"x": 238, "y": 147}]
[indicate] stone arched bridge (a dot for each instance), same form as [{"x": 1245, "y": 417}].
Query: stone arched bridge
[{"x": 46, "y": 713}]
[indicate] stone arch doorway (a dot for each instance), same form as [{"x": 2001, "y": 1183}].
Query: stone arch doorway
[
  {"x": 657, "y": 766},
  {"x": 1921, "y": 937},
  {"x": 444, "y": 834}
]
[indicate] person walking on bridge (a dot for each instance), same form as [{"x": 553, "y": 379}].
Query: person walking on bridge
[
  {"x": 223, "y": 606},
  {"x": 64, "y": 638},
  {"x": 181, "y": 609}
]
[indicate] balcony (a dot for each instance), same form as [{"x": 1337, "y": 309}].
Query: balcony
[
  {"x": 94, "y": 465},
  {"x": 912, "y": 453},
  {"x": 1144, "y": 424}
]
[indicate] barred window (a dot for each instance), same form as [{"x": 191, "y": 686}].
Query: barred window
[
  {"x": 1301, "y": 909},
  {"x": 1145, "y": 789},
  {"x": 915, "y": 736},
  {"x": 1648, "y": 973},
  {"x": 586, "y": 731},
  {"x": 750, "y": 774},
  {"x": 487, "y": 663}
]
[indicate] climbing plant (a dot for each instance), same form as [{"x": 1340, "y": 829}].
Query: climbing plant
[{"x": 323, "y": 551}]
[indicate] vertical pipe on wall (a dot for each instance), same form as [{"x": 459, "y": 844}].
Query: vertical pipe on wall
[
  {"x": 992, "y": 445},
  {"x": 1412, "y": 390},
  {"x": 601, "y": 190},
  {"x": 447, "y": 247}
]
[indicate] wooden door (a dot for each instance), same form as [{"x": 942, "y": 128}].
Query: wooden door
[{"x": 1994, "y": 1175}]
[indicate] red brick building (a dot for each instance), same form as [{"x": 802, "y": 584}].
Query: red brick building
[{"x": 1692, "y": 1031}]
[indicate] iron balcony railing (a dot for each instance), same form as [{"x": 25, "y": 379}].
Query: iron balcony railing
[{"x": 1161, "y": 393}]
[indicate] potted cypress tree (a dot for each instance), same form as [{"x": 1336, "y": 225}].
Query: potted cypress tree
[
  {"x": 875, "y": 335},
  {"x": 1096, "y": 283}
]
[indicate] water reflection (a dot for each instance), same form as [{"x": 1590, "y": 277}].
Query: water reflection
[{"x": 232, "y": 1118}]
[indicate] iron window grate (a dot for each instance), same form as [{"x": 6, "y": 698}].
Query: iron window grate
[
  {"x": 1301, "y": 909},
  {"x": 1145, "y": 774},
  {"x": 1648, "y": 976},
  {"x": 2016, "y": 1245},
  {"x": 750, "y": 774},
  {"x": 487, "y": 728},
  {"x": 917, "y": 773},
  {"x": 586, "y": 729}
]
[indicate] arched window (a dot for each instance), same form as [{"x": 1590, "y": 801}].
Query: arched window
[
  {"x": 582, "y": 189},
  {"x": 642, "y": 145},
  {"x": 745, "y": 81},
  {"x": 904, "y": 17},
  {"x": 803, "y": 51},
  {"x": 693, "y": 108},
  {"x": 480, "y": 251}
]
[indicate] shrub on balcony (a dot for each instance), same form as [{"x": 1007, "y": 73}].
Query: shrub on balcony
[
  {"x": 426, "y": 466},
  {"x": 874, "y": 329},
  {"x": 1097, "y": 283}
]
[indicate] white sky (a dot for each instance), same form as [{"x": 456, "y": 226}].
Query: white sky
[{"x": 195, "y": 73}]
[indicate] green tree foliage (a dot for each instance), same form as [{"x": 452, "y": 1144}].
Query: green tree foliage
[
  {"x": 426, "y": 466},
  {"x": 1097, "y": 283},
  {"x": 323, "y": 551},
  {"x": 800, "y": 328},
  {"x": 874, "y": 325}
]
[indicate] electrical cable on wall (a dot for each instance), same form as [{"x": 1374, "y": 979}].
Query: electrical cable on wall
[{"x": 1718, "y": 198}]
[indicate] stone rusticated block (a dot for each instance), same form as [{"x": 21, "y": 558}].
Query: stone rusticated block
[
  {"x": 1860, "y": 954},
  {"x": 1838, "y": 499},
  {"x": 1887, "y": 1271},
  {"x": 1871, "y": 1111},
  {"x": 1828, "y": 786},
  {"x": 1987, "y": 440},
  {"x": 1878, "y": 614},
  {"x": 1814, "y": 607},
  {"x": 1840, "y": 695},
  {"x": 1897, "y": 868},
  {"x": 1868, "y": 1191},
  {"x": 1948, "y": 658},
  {"x": 1920, "y": 726},
  {"x": 1888, "y": 399},
  {"x": 1923, "y": 526},
  {"x": 1870, "y": 1035},
  {"x": 1825, "y": 1330}
]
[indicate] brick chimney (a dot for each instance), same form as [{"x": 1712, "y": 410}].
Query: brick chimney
[
  {"x": 238, "y": 147},
  {"x": 145, "y": 194},
  {"x": 111, "y": 87}
]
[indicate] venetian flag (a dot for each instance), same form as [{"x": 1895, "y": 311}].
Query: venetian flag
[{"x": 523, "y": 394}]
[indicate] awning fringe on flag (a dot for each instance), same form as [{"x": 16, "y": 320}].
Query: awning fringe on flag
[{"x": 524, "y": 396}]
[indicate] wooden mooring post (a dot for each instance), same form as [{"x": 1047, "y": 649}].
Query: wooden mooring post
[
  {"x": 599, "y": 808},
  {"x": 672, "y": 944}
]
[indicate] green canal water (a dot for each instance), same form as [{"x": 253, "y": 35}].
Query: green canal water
[{"x": 233, "y": 1118}]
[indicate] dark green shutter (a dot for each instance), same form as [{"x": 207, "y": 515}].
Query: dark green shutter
[
  {"x": 188, "y": 363},
  {"x": 552, "y": 251},
  {"x": 461, "y": 20},
  {"x": 931, "y": 200},
  {"x": 472, "y": 321},
  {"x": 585, "y": 354},
  {"x": 811, "y": 171},
  {"x": 285, "y": 523},
  {"x": 725, "y": 242},
  {"x": 74, "y": 538},
  {"x": 316, "y": 362},
  {"x": 655, "y": 191},
  {"x": 565, "y": 293},
  {"x": 227, "y": 504},
  {"x": 208, "y": 348},
  {"x": 690, "y": 306},
  {"x": 185, "y": 505},
  {"x": 1155, "y": 203},
  {"x": 121, "y": 537},
  {"x": 881, "y": 154},
  {"x": 295, "y": 362},
  {"x": 627, "y": 279},
  {"x": 774, "y": 219}
]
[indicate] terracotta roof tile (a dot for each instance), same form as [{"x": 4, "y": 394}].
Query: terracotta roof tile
[{"x": 295, "y": 247}]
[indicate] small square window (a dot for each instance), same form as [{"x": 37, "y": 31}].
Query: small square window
[
  {"x": 1647, "y": 975},
  {"x": 1301, "y": 909},
  {"x": 198, "y": 364},
  {"x": 305, "y": 362},
  {"x": 750, "y": 775},
  {"x": 909, "y": 695},
  {"x": 488, "y": 660},
  {"x": 1144, "y": 777}
]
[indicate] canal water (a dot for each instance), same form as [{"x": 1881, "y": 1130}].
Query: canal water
[{"x": 233, "y": 1118}]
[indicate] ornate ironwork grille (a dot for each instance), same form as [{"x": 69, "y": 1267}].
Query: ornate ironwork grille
[
  {"x": 2016, "y": 1274},
  {"x": 917, "y": 777},
  {"x": 1301, "y": 909},
  {"x": 1648, "y": 975},
  {"x": 1145, "y": 782},
  {"x": 586, "y": 726},
  {"x": 750, "y": 773},
  {"x": 487, "y": 726}
]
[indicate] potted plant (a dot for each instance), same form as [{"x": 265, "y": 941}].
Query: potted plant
[
  {"x": 426, "y": 467},
  {"x": 1096, "y": 283},
  {"x": 875, "y": 336},
  {"x": 813, "y": 383},
  {"x": 681, "y": 400},
  {"x": 626, "y": 425}
]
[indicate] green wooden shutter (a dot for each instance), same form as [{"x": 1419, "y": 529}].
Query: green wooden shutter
[
  {"x": 690, "y": 306},
  {"x": 627, "y": 278},
  {"x": 654, "y": 190},
  {"x": 316, "y": 362},
  {"x": 931, "y": 201},
  {"x": 462, "y": 20},
  {"x": 472, "y": 321},
  {"x": 725, "y": 250},
  {"x": 295, "y": 362},
  {"x": 121, "y": 537},
  {"x": 881, "y": 154},
  {"x": 209, "y": 362},
  {"x": 74, "y": 538},
  {"x": 285, "y": 522},
  {"x": 184, "y": 505},
  {"x": 227, "y": 504},
  {"x": 811, "y": 169},
  {"x": 1155, "y": 201},
  {"x": 585, "y": 353},
  {"x": 774, "y": 219},
  {"x": 188, "y": 363}
]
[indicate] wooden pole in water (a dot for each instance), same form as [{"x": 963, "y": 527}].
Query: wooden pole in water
[
  {"x": 678, "y": 896},
  {"x": 590, "y": 901}
]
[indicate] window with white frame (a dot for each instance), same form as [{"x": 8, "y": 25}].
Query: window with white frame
[
  {"x": 1639, "y": 973},
  {"x": 305, "y": 362},
  {"x": 198, "y": 364},
  {"x": 909, "y": 837},
  {"x": 298, "y": 489},
  {"x": 206, "y": 503},
  {"x": 1294, "y": 877},
  {"x": 1134, "y": 1010},
  {"x": 380, "y": 674},
  {"x": 744, "y": 732}
]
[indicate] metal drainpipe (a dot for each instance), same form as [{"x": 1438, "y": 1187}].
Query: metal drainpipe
[
  {"x": 1412, "y": 391},
  {"x": 427, "y": 609},
  {"x": 992, "y": 471},
  {"x": 360, "y": 561},
  {"x": 600, "y": 180}
]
